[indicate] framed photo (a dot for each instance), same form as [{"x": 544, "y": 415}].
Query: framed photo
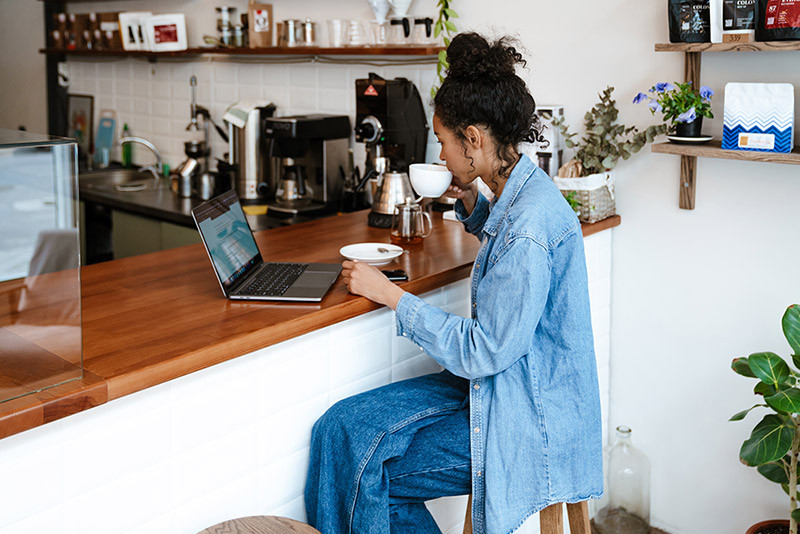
[
  {"x": 80, "y": 120},
  {"x": 131, "y": 29},
  {"x": 166, "y": 33}
]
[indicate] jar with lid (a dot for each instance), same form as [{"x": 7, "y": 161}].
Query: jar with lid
[{"x": 627, "y": 489}]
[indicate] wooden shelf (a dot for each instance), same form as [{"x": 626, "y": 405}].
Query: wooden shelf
[
  {"x": 761, "y": 46},
  {"x": 713, "y": 149},
  {"x": 272, "y": 51}
]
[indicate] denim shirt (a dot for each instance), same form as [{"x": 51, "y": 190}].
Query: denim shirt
[{"x": 528, "y": 352}]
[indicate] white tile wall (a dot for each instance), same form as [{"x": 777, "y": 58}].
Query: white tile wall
[
  {"x": 227, "y": 441},
  {"x": 154, "y": 98}
]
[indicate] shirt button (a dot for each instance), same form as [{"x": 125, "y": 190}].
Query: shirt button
[
  {"x": 479, "y": 473},
  {"x": 477, "y": 386},
  {"x": 474, "y": 304},
  {"x": 477, "y": 265},
  {"x": 477, "y": 429}
]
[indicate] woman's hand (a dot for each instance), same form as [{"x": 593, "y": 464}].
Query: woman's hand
[
  {"x": 467, "y": 193},
  {"x": 366, "y": 280}
]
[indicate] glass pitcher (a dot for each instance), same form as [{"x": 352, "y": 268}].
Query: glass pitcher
[
  {"x": 410, "y": 224},
  {"x": 628, "y": 509}
]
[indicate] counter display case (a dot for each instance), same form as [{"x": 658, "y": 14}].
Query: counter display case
[{"x": 40, "y": 291}]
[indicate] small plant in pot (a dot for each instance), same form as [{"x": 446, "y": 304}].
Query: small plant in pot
[
  {"x": 773, "y": 446},
  {"x": 603, "y": 144},
  {"x": 682, "y": 107}
]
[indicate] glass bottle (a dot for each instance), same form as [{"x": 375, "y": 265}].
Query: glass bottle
[{"x": 628, "y": 489}]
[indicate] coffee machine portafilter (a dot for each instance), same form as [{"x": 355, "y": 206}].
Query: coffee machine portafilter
[{"x": 391, "y": 122}]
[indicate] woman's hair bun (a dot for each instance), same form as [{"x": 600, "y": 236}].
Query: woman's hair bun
[{"x": 471, "y": 56}]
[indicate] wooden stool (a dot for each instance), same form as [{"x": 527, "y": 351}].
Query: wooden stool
[
  {"x": 551, "y": 519},
  {"x": 260, "y": 524}
]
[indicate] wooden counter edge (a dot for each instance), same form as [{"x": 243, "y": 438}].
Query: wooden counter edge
[{"x": 51, "y": 404}]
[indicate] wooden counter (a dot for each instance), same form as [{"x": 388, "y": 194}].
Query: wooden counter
[{"x": 152, "y": 318}]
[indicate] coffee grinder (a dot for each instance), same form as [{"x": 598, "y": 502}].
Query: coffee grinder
[
  {"x": 390, "y": 121},
  {"x": 309, "y": 158}
]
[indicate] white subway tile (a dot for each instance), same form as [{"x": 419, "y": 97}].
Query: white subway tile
[
  {"x": 303, "y": 76},
  {"x": 276, "y": 75},
  {"x": 250, "y": 92},
  {"x": 225, "y": 94},
  {"x": 32, "y": 482},
  {"x": 225, "y": 73},
  {"x": 50, "y": 521},
  {"x": 357, "y": 357},
  {"x": 295, "y": 509},
  {"x": 249, "y": 74},
  {"x": 376, "y": 380},
  {"x": 335, "y": 77},
  {"x": 162, "y": 109},
  {"x": 181, "y": 72},
  {"x": 160, "y": 72},
  {"x": 302, "y": 98},
  {"x": 161, "y": 90},
  {"x": 105, "y": 87},
  {"x": 288, "y": 431},
  {"x": 282, "y": 481},
  {"x": 404, "y": 349},
  {"x": 238, "y": 498},
  {"x": 418, "y": 366},
  {"x": 334, "y": 100},
  {"x": 133, "y": 500}
]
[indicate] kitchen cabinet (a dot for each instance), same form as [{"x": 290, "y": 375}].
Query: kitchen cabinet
[
  {"x": 690, "y": 153},
  {"x": 132, "y": 235}
]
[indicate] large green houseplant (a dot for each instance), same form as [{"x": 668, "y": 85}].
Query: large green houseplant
[{"x": 773, "y": 446}]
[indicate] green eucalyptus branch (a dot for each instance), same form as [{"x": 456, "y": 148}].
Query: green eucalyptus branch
[
  {"x": 446, "y": 27},
  {"x": 605, "y": 142}
]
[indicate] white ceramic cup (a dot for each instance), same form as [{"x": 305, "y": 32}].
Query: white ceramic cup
[{"x": 429, "y": 180}]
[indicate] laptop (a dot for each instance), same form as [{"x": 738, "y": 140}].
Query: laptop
[{"x": 237, "y": 262}]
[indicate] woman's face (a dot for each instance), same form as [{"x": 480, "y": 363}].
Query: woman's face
[{"x": 452, "y": 153}]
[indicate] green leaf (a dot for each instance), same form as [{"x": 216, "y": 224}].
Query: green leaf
[
  {"x": 764, "y": 390},
  {"x": 787, "y": 400},
  {"x": 437, "y": 29},
  {"x": 740, "y": 415},
  {"x": 446, "y": 41},
  {"x": 796, "y": 514},
  {"x": 769, "y": 368},
  {"x": 450, "y": 26},
  {"x": 791, "y": 327},
  {"x": 450, "y": 13},
  {"x": 774, "y": 471},
  {"x": 771, "y": 439},
  {"x": 742, "y": 366}
]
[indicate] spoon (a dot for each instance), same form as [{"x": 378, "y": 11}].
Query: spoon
[{"x": 386, "y": 251}]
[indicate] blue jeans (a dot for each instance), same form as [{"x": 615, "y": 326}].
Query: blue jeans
[{"x": 377, "y": 457}]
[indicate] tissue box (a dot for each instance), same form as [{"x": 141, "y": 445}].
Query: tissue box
[{"x": 759, "y": 117}]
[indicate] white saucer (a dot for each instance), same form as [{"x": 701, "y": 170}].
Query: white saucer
[
  {"x": 368, "y": 252},
  {"x": 690, "y": 140}
]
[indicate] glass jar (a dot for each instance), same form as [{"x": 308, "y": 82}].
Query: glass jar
[{"x": 628, "y": 489}]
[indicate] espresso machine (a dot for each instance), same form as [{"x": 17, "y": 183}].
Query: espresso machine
[
  {"x": 309, "y": 155},
  {"x": 390, "y": 121}
]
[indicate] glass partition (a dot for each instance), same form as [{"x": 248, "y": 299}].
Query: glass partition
[{"x": 40, "y": 290}]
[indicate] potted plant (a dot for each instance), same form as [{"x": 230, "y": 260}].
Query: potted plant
[
  {"x": 586, "y": 180},
  {"x": 682, "y": 107},
  {"x": 773, "y": 446}
]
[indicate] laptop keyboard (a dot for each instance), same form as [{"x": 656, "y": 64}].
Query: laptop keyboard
[{"x": 274, "y": 279}]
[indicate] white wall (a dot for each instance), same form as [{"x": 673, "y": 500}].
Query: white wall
[
  {"x": 22, "y": 68},
  {"x": 691, "y": 289}
]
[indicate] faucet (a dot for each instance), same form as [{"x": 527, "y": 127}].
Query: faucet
[{"x": 155, "y": 170}]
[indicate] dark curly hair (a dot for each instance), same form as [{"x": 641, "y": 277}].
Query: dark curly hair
[{"x": 483, "y": 89}]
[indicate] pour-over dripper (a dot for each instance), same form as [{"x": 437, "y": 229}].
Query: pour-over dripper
[{"x": 380, "y": 8}]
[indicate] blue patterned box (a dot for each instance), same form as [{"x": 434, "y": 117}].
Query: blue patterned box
[{"x": 759, "y": 116}]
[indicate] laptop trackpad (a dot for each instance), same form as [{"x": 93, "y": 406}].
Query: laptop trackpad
[{"x": 317, "y": 280}]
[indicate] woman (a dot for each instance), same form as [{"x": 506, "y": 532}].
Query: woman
[{"x": 515, "y": 417}]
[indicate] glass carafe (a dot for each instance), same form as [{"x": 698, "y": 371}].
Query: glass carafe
[
  {"x": 628, "y": 489},
  {"x": 410, "y": 224}
]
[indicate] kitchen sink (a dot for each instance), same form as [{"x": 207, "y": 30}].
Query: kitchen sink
[{"x": 122, "y": 180}]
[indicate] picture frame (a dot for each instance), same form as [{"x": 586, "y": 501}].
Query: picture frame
[
  {"x": 80, "y": 121},
  {"x": 166, "y": 33}
]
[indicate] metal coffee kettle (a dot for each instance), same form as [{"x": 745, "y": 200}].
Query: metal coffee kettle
[{"x": 393, "y": 188}]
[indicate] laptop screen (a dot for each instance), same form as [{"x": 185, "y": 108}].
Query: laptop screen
[{"x": 227, "y": 237}]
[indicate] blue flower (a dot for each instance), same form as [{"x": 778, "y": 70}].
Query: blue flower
[
  {"x": 641, "y": 97},
  {"x": 654, "y": 106},
  {"x": 664, "y": 86},
  {"x": 706, "y": 93},
  {"x": 687, "y": 116}
]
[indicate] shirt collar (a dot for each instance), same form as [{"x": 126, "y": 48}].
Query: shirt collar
[{"x": 523, "y": 170}]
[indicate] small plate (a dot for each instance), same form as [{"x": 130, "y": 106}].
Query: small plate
[
  {"x": 690, "y": 140},
  {"x": 368, "y": 252}
]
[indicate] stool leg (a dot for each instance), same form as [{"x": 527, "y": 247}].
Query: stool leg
[
  {"x": 468, "y": 519},
  {"x": 551, "y": 520},
  {"x": 578, "y": 514}
]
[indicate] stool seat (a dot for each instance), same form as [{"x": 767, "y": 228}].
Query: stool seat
[{"x": 260, "y": 524}]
